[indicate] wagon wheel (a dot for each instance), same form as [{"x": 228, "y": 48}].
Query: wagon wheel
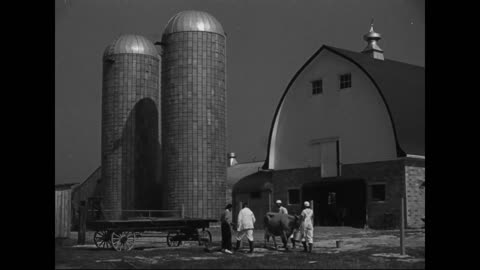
[
  {"x": 172, "y": 239},
  {"x": 102, "y": 239},
  {"x": 205, "y": 237},
  {"x": 123, "y": 241}
]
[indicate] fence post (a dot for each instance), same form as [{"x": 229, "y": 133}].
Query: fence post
[
  {"x": 402, "y": 224},
  {"x": 365, "y": 227},
  {"x": 313, "y": 210},
  {"x": 82, "y": 228}
]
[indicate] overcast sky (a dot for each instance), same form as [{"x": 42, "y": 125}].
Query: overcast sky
[{"x": 268, "y": 41}]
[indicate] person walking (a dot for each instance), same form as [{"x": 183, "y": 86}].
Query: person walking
[
  {"x": 227, "y": 225},
  {"x": 246, "y": 219},
  {"x": 307, "y": 235}
]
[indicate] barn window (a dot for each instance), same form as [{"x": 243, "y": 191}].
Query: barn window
[
  {"x": 345, "y": 81},
  {"x": 378, "y": 192},
  {"x": 332, "y": 198},
  {"x": 317, "y": 87},
  {"x": 293, "y": 196},
  {"x": 255, "y": 195}
]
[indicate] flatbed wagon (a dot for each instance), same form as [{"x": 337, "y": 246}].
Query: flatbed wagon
[{"x": 121, "y": 234}]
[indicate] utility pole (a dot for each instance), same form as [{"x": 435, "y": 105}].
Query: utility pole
[{"x": 402, "y": 224}]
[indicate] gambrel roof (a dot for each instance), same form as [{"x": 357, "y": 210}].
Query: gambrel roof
[{"x": 402, "y": 88}]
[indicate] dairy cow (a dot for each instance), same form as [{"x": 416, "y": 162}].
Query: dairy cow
[{"x": 282, "y": 225}]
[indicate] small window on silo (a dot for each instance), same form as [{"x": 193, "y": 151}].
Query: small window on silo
[
  {"x": 255, "y": 195},
  {"x": 378, "y": 192},
  {"x": 293, "y": 196}
]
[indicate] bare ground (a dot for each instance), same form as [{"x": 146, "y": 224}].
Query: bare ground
[{"x": 360, "y": 249}]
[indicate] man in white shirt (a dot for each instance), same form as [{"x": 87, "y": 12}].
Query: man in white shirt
[
  {"x": 307, "y": 235},
  {"x": 246, "y": 219}
]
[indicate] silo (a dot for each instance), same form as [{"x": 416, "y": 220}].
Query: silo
[
  {"x": 130, "y": 124},
  {"x": 194, "y": 113}
]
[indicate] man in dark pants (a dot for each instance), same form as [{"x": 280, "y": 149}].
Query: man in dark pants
[{"x": 226, "y": 220}]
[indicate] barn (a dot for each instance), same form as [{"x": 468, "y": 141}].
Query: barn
[{"x": 348, "y": 133}]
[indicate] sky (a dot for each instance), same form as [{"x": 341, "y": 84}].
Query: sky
[{"x": 267, "y": 42}]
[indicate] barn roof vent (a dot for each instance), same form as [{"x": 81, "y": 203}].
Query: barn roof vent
[{"x": 232, "y": 161}]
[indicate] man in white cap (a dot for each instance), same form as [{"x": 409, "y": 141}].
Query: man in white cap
[
  {"x": 307, "y": 235},
  {"x": 281, "y": 209}
]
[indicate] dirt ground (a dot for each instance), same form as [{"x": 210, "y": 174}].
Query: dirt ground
[{"x": 360, "y": 249}]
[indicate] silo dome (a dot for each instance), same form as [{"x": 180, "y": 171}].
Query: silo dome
[
  {"x": 192, "y": 20},
  {"x": 131, "y": 44}
]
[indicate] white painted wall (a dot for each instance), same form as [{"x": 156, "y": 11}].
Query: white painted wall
[{"x": 357, "y": 115}]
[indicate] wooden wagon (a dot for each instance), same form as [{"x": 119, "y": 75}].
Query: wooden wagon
[{"x": 121, "y": 234}]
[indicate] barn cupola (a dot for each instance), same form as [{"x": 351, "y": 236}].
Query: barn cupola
[{"x": 372, "y": 48}]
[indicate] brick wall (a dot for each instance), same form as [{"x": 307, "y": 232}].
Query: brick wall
[
  {"x": 283, "y": 180},
  {"x": 415, "y": 195},
  {"x": 228, "y": 195},
  {"x": 392, "y": 174},
  {"x": 399, "y": 176},
  {"x": 259, "y": 206}
]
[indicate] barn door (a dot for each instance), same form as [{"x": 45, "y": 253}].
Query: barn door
[
  {"x": 325, "y": 155},
  {"x": 329, "y": 159}
]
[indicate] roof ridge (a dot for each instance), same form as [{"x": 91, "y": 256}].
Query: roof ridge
[{"x": 385, "y": 60}]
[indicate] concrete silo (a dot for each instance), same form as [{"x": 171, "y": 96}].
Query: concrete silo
[
  {"x": 194, "y": 113},
  {"x": 130, "y": 125}
]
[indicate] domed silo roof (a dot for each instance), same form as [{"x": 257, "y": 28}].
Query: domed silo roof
[
  {"x": 131, "y": 44},
  {"x": 192, "y": 20}
]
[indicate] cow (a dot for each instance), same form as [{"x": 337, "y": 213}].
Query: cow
[{"x": 282, "y": 225}]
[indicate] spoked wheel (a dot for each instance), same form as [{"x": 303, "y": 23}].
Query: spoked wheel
[
  {"x": 173, "y": 239},
  {"x": 123, "y": 241},
  {"x": 102, "y": 239},
  {"x": 204, "y": 238}
]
